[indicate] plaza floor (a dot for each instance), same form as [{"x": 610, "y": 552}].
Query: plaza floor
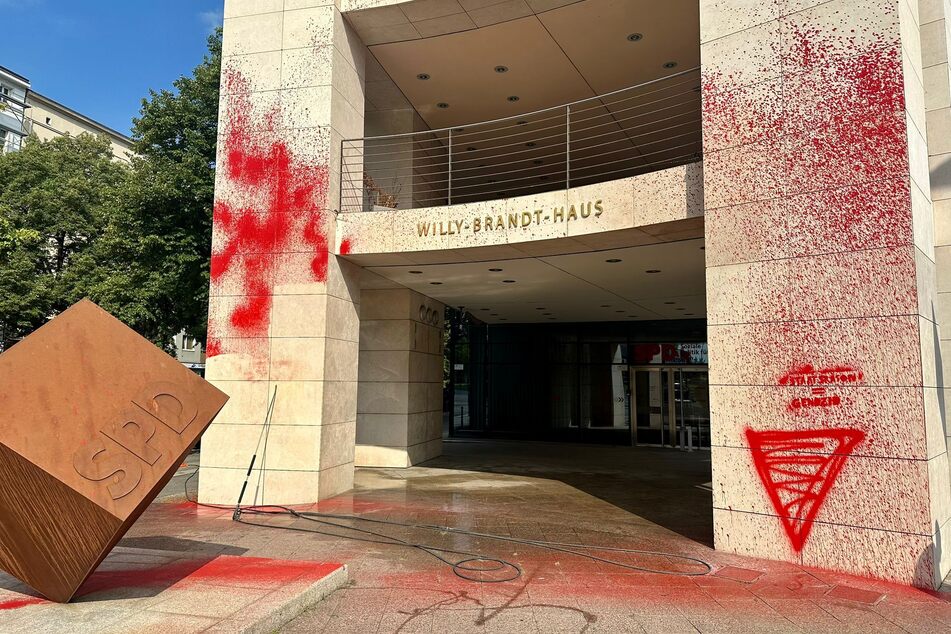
[{"x": 605, "y": 497}]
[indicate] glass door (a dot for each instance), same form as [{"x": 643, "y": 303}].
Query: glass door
[
  {"x": 692, "y": 407},
  {"x": 652, "y": 396}
]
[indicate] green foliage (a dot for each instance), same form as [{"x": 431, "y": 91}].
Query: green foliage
[{"x": 136, "y": 240}]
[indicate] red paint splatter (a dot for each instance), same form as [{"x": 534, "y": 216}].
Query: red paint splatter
[
  {"x": 345, "y": 246},
  {"x": 15, "y": 604},
  {"x": 809, "y": 375},
  {"x": 269, "y": 203},
  {"x": 798, "y": 468}
]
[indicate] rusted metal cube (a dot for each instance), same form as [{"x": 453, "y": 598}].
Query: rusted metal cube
[{"x": 94, "y": 421}]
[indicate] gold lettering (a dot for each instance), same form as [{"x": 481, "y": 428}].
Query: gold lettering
[
  {"x": 488, "y": 223},
  {"x": 572, "y": 214},
  {"x": 423, "y": 228},
  {"x": 476, "y": 225},
  {"x": 442, "y": 229},
  {"x": 458, "y": 226},
  {"x": 513, "y": 221},
  {"x": 586, "y": 209},
  {"x": 538, "y": 216},
  {"x": 597, "y": 208},
  {"x": 500, "y": 224},
  {"x": 526, "y": 218},
  {"x": 559, "y": 214}
]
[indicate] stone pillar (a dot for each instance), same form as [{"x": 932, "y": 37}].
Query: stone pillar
[
  {"x": 399, "y": 411},
  {"x": 828, "y": 442},
  {"x": 935, "y": 46},
  {"x": 284, "y": 310}
]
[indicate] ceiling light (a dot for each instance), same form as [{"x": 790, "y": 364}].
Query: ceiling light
[
  {"x": 416, "y": 272},
  {"x": 508, "y": 281},
  {"x": 513, "y": 98},
  {"x": 652, "y": 271},
  {"x": 605, "y": 305},
  {"x": 619, "y": 311},
  {"x": 538, "y": 161},
  {"x": 689, "y": 314},
  {"x": 530, "y": 144},
  {"x": 458, "y": 129},
  {"x": 471, "y": 149},
  {"x": 436, "y": 283},
  {"x": 522, "y": 122},
  {"x": 635, "y": 37},
  {"x": 546, "y": 314},
  {"x": 442, "y": 104},
  {"x": 493, "y": 314},
  {"x": 670, "y": 65},
  {"x": 495, "y": 270},
  {"x": 423, "y": 76},
  {"x": 680, "y": 309},
  {"x": 485, "y": 309},
  {"x": 539, "y": 308},
  {"x": 491, "y": 180},
  {"x": 551, "y": 318},
  {"x": 613, "y": 260},
  {"x": 543, "y": 178},
  {"x": 501, "y": 69},
  {"x": 503, "y": 319},
  {"x": 670, "y": 303}
]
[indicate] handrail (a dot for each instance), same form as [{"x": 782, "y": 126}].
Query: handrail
[{"x": 470, "y": 162}]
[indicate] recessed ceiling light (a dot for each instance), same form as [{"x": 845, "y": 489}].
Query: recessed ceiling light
[
  {"x": 501, "y": 69},
  {"x": 670, "y": 303},
  {"x": 632, "y": 316},
  {"x": 670, "y": 65},
  {"x": 619, "y": 311},
  {"x": 522, "y": 122},
  {"x": 689, "y": 314},
  {"x": 471, "y": 148},
  {"x": 546, "y": 314},
  {"x": 416, "y": 272},
  {"x": 436, "y": 283},
  {"x": 423, "y": 76},
  {"x": 508, "y": 281},
  {"x": 539, "y": 308},
  {"x": 552, "y": 318},
  {"x": 458, "y": 129},
  {"x": 491, "y": 180},
  {"x": 543, "y": 178},
  {"x": 652, "y": 271},
  {"x": 680, "y": 309},
  {"x": 513, "y": 98},
  {"x": 635, "y": 37},
  {"x": 442, "y": 104},
  {"x": 493, "y": 314},
  {"x": 605, "y": 305},
  {"x": 530, "y": 144},
  {"x": 485, "y": 309},
  {"x": 503, "y": 318},
  {"x": 613, "y": 260},
  {"x": 538, "y": 161},
  {"x": 495, "y": 270}
]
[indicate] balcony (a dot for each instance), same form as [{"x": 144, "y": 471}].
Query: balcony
[{"x": 644, "y": 128}]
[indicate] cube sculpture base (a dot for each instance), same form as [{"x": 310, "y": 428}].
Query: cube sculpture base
[{"x": 94, "y": 421}]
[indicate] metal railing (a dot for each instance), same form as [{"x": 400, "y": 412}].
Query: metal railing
[{"x": 643, "y": 128}]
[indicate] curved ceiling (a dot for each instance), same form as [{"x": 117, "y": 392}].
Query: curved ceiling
[{"x": 555, "y": 51}]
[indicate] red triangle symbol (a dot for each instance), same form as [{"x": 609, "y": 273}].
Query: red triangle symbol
[{"x": 797, "y": 469}]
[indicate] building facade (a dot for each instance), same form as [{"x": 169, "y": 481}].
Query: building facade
[
  {"x": 713, "y": 223},
  {"x": 23, "y": 112}
]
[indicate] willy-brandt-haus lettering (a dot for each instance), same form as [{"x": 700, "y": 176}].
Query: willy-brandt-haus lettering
[{"x": 716, "y": 226}]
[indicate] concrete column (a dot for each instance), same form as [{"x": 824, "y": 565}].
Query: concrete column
[
  {"x": 828, "y": 441},
  {"x": 284, "y": 310},
  {"x": 399, "y": 412},
  {"x": 935, "y": 46}
]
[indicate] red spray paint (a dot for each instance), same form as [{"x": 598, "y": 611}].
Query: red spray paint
[{"x": 271, "y": 203}]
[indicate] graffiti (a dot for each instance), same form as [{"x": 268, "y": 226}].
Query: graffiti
[
  {"x": 272, "y": 204},
  {"x": 807, "y": 375},
  {"x": 798, "y": 468}
]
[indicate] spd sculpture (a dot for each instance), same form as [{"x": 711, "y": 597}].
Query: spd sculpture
[{"x": 94, "y": 421}]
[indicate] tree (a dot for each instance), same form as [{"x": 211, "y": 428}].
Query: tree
[
  {"x": 55, "y": 198},
  {"x": 136, "y": 240},
  {"x": 150, "y": 266}
]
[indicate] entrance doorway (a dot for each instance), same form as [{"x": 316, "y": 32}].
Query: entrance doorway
[{"x": 670, "y": 406}]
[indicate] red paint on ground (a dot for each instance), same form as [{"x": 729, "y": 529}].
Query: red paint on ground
[
  {"x": 734, "y": 573},
  {"x": 15, "y": 604},
  {"x": 798, "y": 468},
  {"x": 858, "y": 595}
]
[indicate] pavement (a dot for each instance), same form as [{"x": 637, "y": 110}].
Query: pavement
[{"x": 601, "y": 497}]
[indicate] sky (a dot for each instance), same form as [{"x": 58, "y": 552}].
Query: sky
[{"x": 101, "y": 57}]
